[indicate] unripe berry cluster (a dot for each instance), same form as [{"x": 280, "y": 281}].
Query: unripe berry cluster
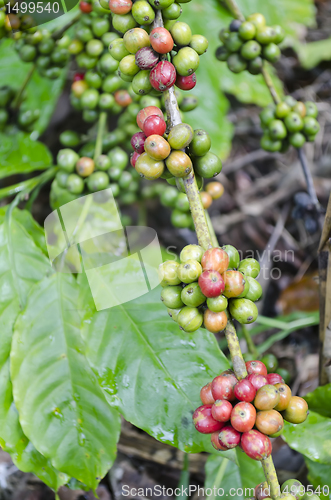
[
  {"x": 288, "y": 123},
  {"x": 24, "y": 118},
  {"x": 156, "y": 156},
  {"x": 205, "y": 287},
  {"x": 84, "y": 175},
  {"x": 13, "y": 19},
  {"x": 292, "y": 489},
  {"x": 143, "y": 57},
  {"x": 246, "y": 44},
  {"x": 248, "y": 411}
]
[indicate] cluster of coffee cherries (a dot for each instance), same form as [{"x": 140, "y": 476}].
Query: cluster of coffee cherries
[
  {"x": 205, "y": 287},
  {"x": 144, "y": 56},
  {"x": 247, "y": 412},
  {"x": 292, "y": 489},
  {"x": 288, "y": 123},
  {"x": 82, "y": 174},
  {"x": 13, "y": 19},
  {"x": 24, "y": 118},
  {"x": 178, "y": 201},
  {"x": 246, "y": 44},
  {"x": 154, "y": 156}
]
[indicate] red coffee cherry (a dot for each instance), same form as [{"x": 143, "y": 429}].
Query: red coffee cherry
[
  {"x": 161, "y": 40},
  {"x": 274, "y": 378},
  {"x": 245, "y": 391},
  {"x": 285, "y": 394},
  {"x": 256, "y": 445},
  {"x": 229, "y": 438},
  {"x": 145, "y": 113},
  {"x": 163, "y": 76},
  {"x": 120, "y": 6},
  {"x": 154, "y": 125},
  {"x": 85, "y": 7},
  {"x": 256, "y": 367},
  {"x": 222, "y": 387},
  {"x": 262, "y": 491},
  {"x": 266, "y": 398},
  {"x": 78, "y": 76},
  {"x": 216, "y": 442},
  {"x": 186, "y": 82},
  {"x": 133, "y": 159},
  {"x": 269, "y": 422},
  {"x": 221, "y": 410},
  {"x": 206, "y": 395},
  {"x": 243, "y": 417},
  {"x": 257, "y": 380},
  {"x": 234, "y": 283},
  {"x": 215, "y": 259},
  {"x": 211, "y": 284},
  {"x": 204, "y": 421},
  {"x": 138, "y": 141},
  {"x": 123, "y": 98},
  {"x": 146, "y": 58}
]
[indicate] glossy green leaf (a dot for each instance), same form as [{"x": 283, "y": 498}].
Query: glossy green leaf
[
  {"x": 61, "y": 406},
  {"x": 21, "y": 265},
  {"x": 20, "y": 154},
  {"x": 319, "y": 477},
  {"x": 313, "y": 53},
  {"x": 31, "y": 226},
  {"x": 312, "y": 438},
  {"x": 320, "y": 400},
  {"x": 149, "y": 369},
  {"x": 41, "y": 93},
  {"x": 228, "y": 479}
]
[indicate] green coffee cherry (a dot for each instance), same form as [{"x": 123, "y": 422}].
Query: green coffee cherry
[
  {"x": 171, "y": 297},
  {"x": 90, "y": 115},
  {"x": 182, "y": 203},
  {"x": 108, "y": 38},
  {"x": 28, "y": 53},
  {"x": 297, "y": 140},
  {"x": 249, "y": 267},
  {"x": 257, "y": 19},
  {"x": 255, "y": 289},
  {"x": 311, "y": 109},
  {"x": 250, "y": 50},
  {"x": 100, "y": 26},
  {"x": 123, "y": 23},
  {"x": 125, "y": 180},
  {"x": 192, "y": 295},
  {"x": 168, "y": 273},
  {"x": 247, "y": 31},
  {"x": 67, "y": 159},
  {"x": 168, "y": 197},
  {"x": 222, "y": 53},
  {"x": 189, "y": 271},
  {"x": 271, "y": 362},
  {"x": 173, "y": 313},
  {"x": 180, "y": 136},
  {"x": 172, "y": 12},
  {"x": 102, "y": 162},
  {"x": 293, "y": 122},
  {"x": 267, "y": 115},
  {"x": 243, "y": 310},
  {"x": 199, "y": 43},
  {"x": 233, "y": 43},
  {"x": 191, "y": 252},
  {"x": 142, "y": 12},
  {"x": 75, "y": 184},
  {"x": 282, "y": 110},
  {"x": 61, "y": 178},
  {"x": 97, "y": 181},
  {"x": 118, "y": 157},
  {"x": 236, "y": 63},
  {"x": 271, "y": 52},
  {"x": 111, "y": 83},
  {"x": 208, "y": 166},
  {"x": 217, "y": 304},
  {"x": 90, "y": 99},
  {"x": 186, "y": 61},
  {"x": 277, "y": 130},
  {"x": 188, "y": 103},
  {"x": 117, "y": 49},
  {"x": 255, "y": 66},
  {"x": 201, "y": 143},
  {"x": 180, "y": 219},
  {"x": 108, "y": 64},
  {"x": 181, "y": 33},
  {"x": 270, "y": 145},
  {"x": 69, "y": 138},
  {"x": 234, "y": 257},
  {"x": 310, "y": 126},
  {"x": 93, "y": 79},
  {"x": 161, "y": 4},
  {"x": 141, "y": 84},
  {"x": 190, "y": 319}
]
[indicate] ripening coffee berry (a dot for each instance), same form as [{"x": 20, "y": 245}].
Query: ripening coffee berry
[
  {"x": 243, "y": 417},
  {"x": 296, "y": 411},
  {"x": 145, "y": 113},
  {"x": 189, "y": 271},
  {"x": 285, "y": 395},
  {"x": 149, "y": 168},
  {"x": 189, "y": 252},
  {"x": 245, "y": 391},
  {"x": 171, "y": 297},
  {"x": 269, "y": 422},
  {"x": 133, "y": 158},
  {"x": 215, "y": 322},
  {"x": 192, "y": 295},
  {"x": 274, "y": 378},
  {"x": 179, "y": 164},
  {"x": 163, "y": 76},
  {"x": 206, "y": 395},
  {"x": 157, "y": 147},
  {"x": 214, "y": 438},
  {"x": 257, "y": 380},
  {"x": 206, "y": 199},
  {"x": 217, "y": 304},
  {"x": 222, "y": 387},
  {"x": 234, "y": 283},
  {"x": 168, "y": 273},
  {"x": 215, "y": 259},
  {"x": 221, "y": 410},
  {"x": 294, "y": 487},
  {"x": 256, "y": 445},
  {"x": 204, "y": 422},
  {"x": 211, "y": 284},
  {"x": 256, "y": 367},
  {"x": 85, "y": 166},
  {"x": 161, "y": 40},
  {"x": 146, "y": 58},
  {"x": 266, "y": 398},
  {"x": 180, "y": 136},
  {"x": 190, "y": 319},
  {"x": 262, "y": 491},
  {"x": 154, "y": 125},
  {"x": 136, "y": 39},
  {"x": 138, "y": 141},
  {"x": 229, "y": 437},
  {"x": 186, "y": 82},
  {"x": 85, "y": 7},
  {"x": 216, "y": 190},
  {"x": 120, "y": 6}
]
